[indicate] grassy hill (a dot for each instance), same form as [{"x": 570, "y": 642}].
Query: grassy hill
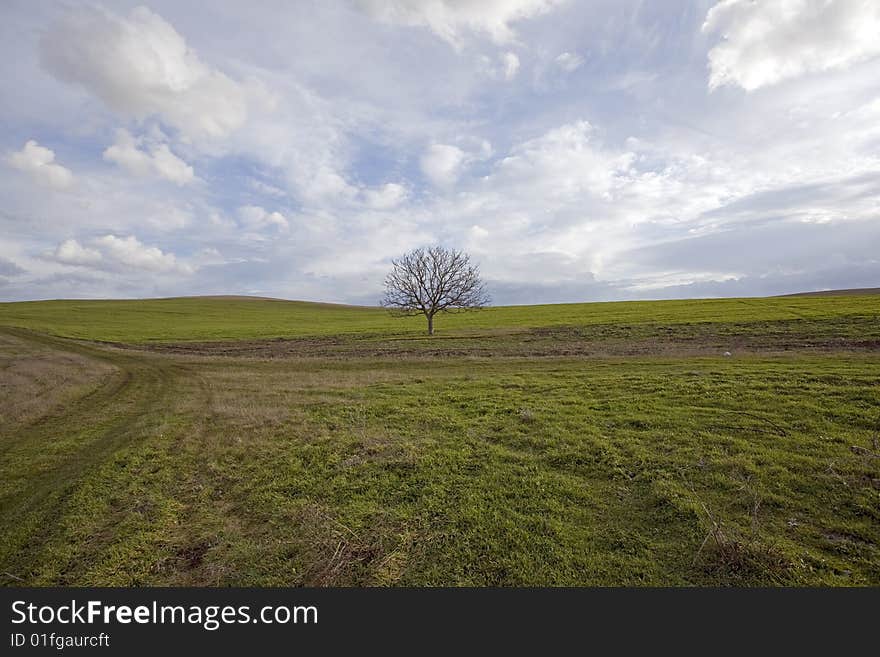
[
  {"x": 238, "y": 318},
  {"x": 859, "y": 291}
]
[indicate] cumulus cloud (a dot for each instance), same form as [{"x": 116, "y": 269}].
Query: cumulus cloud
[
  {"x": 131, "y": 252},
  {"x": 386, "y": 197},
  {"x": 767, "y": 42},
  {"x": 113, "y": 253},
  {"x": 442, "y": 163},
  {"x": 254, "y": 217},
  {"x": 563, "y": 163},
  {"x": 323, "y": 183},
  {"x": 449, "y": 19},
  {"x": 71, "y": 252},
  {"x": 140, "y": 66},
  {"x": 569, "y": 62},
  {"x": 39, "y": 162},
  {"x": 157, "y": 161}
]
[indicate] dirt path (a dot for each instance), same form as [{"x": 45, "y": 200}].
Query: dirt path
[{"x": 42, "y": 462}]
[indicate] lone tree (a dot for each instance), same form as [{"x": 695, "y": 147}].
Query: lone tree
[{"x": 433, "y": 280}]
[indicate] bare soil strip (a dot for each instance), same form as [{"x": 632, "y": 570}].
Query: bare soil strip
[{"x": 599, "y": 341}]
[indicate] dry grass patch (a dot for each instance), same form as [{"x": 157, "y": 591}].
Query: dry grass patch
[
  {"x": 336, "y": 555},
  {"x": 36, "y": 381}
]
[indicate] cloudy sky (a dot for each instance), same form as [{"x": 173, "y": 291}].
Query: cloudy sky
[{"x": 578, "y": 150}]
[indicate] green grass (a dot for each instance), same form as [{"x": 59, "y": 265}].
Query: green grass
[
  {"x": 206, "y": 318},
  {"x": 500, "y": 459}
]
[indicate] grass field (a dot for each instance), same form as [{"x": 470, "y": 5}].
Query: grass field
[
  {"x": 559, "y": 445},
  {"x": 207, "y": 318}
]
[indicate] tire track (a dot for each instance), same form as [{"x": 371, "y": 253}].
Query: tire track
[{"x": 104, "y": 421}]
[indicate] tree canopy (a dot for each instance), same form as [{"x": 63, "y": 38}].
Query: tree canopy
[{"x": 431, "y": 280}]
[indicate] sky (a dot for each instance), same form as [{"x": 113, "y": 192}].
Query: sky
[{"x": 577, "y": 150}]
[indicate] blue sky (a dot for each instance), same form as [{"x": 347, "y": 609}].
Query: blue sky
[{"x": 577, "y": 150}]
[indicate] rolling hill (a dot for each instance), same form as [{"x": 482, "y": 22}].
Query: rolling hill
[{"x": 238, "y": 318}]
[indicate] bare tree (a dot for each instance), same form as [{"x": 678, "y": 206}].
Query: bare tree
[{"x": 433, "y": 280}]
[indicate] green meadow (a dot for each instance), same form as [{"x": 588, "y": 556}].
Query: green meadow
[
  {"x": 236, "y": 318},
  {"x": 235, "y": 441}
]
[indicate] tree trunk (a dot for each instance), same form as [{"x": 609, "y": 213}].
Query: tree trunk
[{"x": 430, "y": 324}]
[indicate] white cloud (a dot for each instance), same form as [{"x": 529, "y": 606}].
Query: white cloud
[
  {"x": 112, "y": 253},
  {"x": 254, "y": 217},
  {"x": 159, "y": 161},
  {"x": 442, "y": 164},
  {"x": 563, "y": 163},
  {"x": 563, "y": 210},
  {"x": 450, "y": 18},
  {"x": 323, "y": 183},
  {"x": 386, "y": 197},
  {"x": 569, "y": 62},
  {"x": 511, "y": 65},
  {"x": 766, "y": 42},
  {"x": 39, "y": 162},
  {"x": 169, "y": 166},
  {"x": 140, "y": 66},
  {"x": 304, "y": 145},
  {"x": 130, "y": 252},
  {"x": 71, "y": 252}
]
